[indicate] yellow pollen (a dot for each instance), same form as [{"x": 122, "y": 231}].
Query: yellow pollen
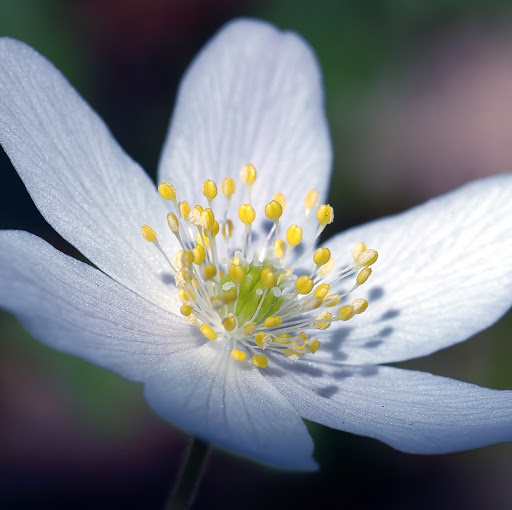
[
  {"x": 268, "y": 277},
  {"x": 262, "y": 340},
  {"x": 325, "y": 214},
  {"x": 187, "y": 258},
  {"x": 363, "y": 275},
  {"x": 346, "y": 312},
  {"x": 248, "y": 175},
  {"x": 184, "y": 209},
  {"x": 208, "y": 218},
  {"x": 208, "y": 332},
  {"x": 314, "y": 346},
  {"x": 311, "y": 200},
  {"x": 148, "y": 233},
  {"x": 236, "y": 273},
  {"x": 210, "y": 270},
  {"x": 186, "y": 310},
  {"x": 259, "y": 360},
  {"x": 184, "y": 297},
  {"x": 322, "y": 290},
  {"x": 321, "y": 323},
  {"x": 167, "y": 191},
  {"x": 229, "y": 296},
  {"x": 321, "y": 256},
  {"x": 332, "y": 299},
  {"x": 367, "y": 258},
  {"x": 273, "y": 321},
  {"x": 246, "y": 214},
  {"x": 199, "y": 254},
  {"x": 357, "y": 250},
  {"x": 273, "y": 210},
  {"x": 249, "y": 328},
  {"x": 294, "y": 235},
  {"x": 229, "y": 323},
  {"x": 280, "y": 248},
  {"x": 304, "y": 285},
  {"x": 209, "y": 189},
  {"x": 173, "y": 223},
  {"x": 279, "y": 197},
  {"x": 359, "y": 305},
  {"x": 238, "y": 355},
  {"x": 228, "y": 187}
]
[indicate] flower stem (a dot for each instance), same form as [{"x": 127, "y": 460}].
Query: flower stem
[{"x": 192, "y": 469}]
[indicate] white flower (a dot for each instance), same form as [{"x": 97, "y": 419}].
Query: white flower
[{"x": 253, "y": 95}]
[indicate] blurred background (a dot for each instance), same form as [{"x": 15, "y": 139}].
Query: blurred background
[{"x": 419, "y": 99}]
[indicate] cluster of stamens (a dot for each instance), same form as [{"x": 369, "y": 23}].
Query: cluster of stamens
[{"x": 259, "y": 303}]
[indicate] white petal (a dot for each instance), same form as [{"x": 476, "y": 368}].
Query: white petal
[
  {"x": 444, "y": 273},
  {"x": 230, "y": 404},
  {"x": 412, "y": 411},
  {"x": 83, "y": 183},
  {"x": 253, "y": 95},
  {"x": 75, "y": 308}
]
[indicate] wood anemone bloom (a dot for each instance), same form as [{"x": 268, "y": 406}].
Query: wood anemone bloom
[{"x": 236, "y": 321}]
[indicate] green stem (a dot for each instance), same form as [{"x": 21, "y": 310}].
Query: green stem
[{"x": 192, "y": 469}]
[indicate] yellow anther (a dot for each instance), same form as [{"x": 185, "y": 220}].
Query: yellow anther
[
  {"x": 325, "y": 214},
  {"x": 367, "y": 258},
  {"x": 173, "y": 223},
  {"x": 304, "y": 285},
  {"x": 209, "y": 271},
  {"x": 184, "y": 297},
  {"x": 229, "y": 296},
  {"x": 273, "y": 210},
  {"x": 359, "y": 305},
  {"x": 332, "y": 299},
  {"x": 199, "y": 241},
  {"x": 322, "y": 323},
  {"x": 311, "y": 200},
  {"x": 322, "y": 290},
  {"x": 273, "y": 321},
  {"x": 236, "y": 273},
  {"x": 246, "y": 213},
  {"x": 322, "y": 256},
  {"x": 228, "y": 187},
  {"x": 313, "y": 346},
  {"x": 284, "y": 335},
  {"x": 262, "y": 340},
  {"x": 279, "y": 197},
  {"x": 346, "y": 312},
  {"x": 259, "y": 360},
  {"x": 208, "y": 218},
  {"x": 214, "y": 230},
  {"x": 167, "y": 191},
  {"x": 357, "y": 250},
  {"x": 238, "y": 355},
  {"x": 187, "y": 257},
  {"x": 199, "y": 254},
  {"x": 184, "y": 209},
  {"x": 148, "y": 233},
  {"x": 249, "y": 329},
  {"x": 227, "y": 229},
  {"x": 292, "y": 354},
  {"x": 327, "y": 268},
  {"x": 182, "y": 277},
  {"x": 208, "y": 332},
  {"x": 229, "y": 323},
  {"x": 209, "y": 189},
  {"x": 268, "y": 277},
  {"x": 279, "y": 248},
  {"x": 294, "y": 235},
  {"x": 248, "y": 175},
  {"x": 363, "y": 275},
  {"x": 186, "y": 310}
]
